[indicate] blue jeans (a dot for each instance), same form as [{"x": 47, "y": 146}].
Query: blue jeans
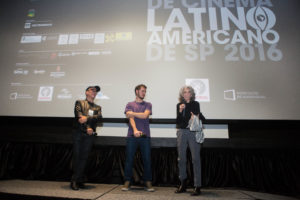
[
  {"x": 82, "y": 144},
  {"x": 145, "y": 147}
]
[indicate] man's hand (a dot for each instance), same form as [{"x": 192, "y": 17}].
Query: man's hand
[
  {"x": 89, "y": 131},
  {"x": 82, "y": 119},
  {"x": 129, "y": 114},
  {"x": 137, "y": 133}
]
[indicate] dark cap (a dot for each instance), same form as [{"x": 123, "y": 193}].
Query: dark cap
[{"x": 96, "y": 87}]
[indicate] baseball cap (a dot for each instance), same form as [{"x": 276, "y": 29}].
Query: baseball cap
[{"x": 96, "y": 87}]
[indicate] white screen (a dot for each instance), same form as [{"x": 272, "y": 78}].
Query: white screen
[{"x": 241, "y": 57}]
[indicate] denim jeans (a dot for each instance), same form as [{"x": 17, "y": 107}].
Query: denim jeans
[
  {"x": 82, "y": 144},
  {"x": 185, "y": 139},
  {"x": 131, "y": 146}
]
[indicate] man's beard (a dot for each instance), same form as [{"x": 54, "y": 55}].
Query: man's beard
[{"x": 139, "y": 96}]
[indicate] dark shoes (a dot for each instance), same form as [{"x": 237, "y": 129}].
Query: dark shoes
[
  {"x": 181, "y": 188},
  {"x": 74, "y": 185},
  {"x": 81, "y": 185},
  {"x": 196, "y": 192}
]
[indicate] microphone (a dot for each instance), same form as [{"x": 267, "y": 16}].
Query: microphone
[
  {"x": 94, "y": 134},
  {"x": 183, "y": 111},
  {"x": 143, "y": 135}
]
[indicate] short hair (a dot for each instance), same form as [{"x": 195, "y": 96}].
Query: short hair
[
  {"x": 138, "y": 87},
  {"x": 190, "y": 88}
]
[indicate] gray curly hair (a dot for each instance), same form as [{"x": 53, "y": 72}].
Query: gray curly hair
[{"x": 181, "y": 98}]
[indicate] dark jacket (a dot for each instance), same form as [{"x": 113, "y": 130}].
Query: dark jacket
[
  {"x": 91, "y": 110},
  {"x": 183, "y": 118}
]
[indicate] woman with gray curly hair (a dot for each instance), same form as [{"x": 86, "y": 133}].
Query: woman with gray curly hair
[{"x": 187, "y": 108}]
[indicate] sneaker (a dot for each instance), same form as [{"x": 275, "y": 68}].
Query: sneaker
[
  {"x": 126, "y": 186},
  {"x": 149, "y": 187}
]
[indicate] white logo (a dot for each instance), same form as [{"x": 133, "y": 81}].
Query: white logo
[
  {"x": 57, "y": 74},
  {"x": 99, "y": 38},
  {"x": 233, "y": 95},
  {"x": 86, "y": 36},
  {"x": 64, "y": 94},
  {"x": 15, "y": 95},
  {"x": 21, "y": 71},
  {"x": 63, "y": 39},
  {"x": 27, "y": 25},
  {"x": 229, "y": 95},
  {"x": 39, "y": 71},
  {"x": 31, "y": 39},
  {"x": 45, "y": 93},
  {"x": 261, "y": 18},
  {"x": 201, "y": 87}
]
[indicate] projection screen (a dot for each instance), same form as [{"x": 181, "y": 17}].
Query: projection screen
[{"x": 241, "y": 56}]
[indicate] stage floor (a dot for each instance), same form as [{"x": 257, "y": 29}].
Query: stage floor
[{"x": 113, "y": 191}]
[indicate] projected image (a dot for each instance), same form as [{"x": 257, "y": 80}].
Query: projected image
[{"x": 241, "y": 57}]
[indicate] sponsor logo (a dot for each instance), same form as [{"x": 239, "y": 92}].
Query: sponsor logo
[
  {"x": 201, "y": 88},
  {"x": 123, "y": 36},
  {"x": 45, "y": 93},
  {"x": 86, "y": 36},
  {"x": 63, "y": 39},
  {"x": 73, "y": 39},
  {"x": 31, "y": 39},
  {"x": 16, "y": 84},
  {"x": 22, "y": 64},
  {"x": 58, "y": 73},
  {"x": 64, "y": 94},
  {"x": 233, "y": 95},
  {"x": 53, "y": 56},
  {"x": 39, "y": 71},
  {"x": 99, "y": 38},
  {"x": 15, "y": 96},
  {"x": 94, "y": 53},
  {"x": 31, "y": 13},
  {"x": 110, "y": 37},
  {"x": 229, "y": 95},
  {"x": 27, "y": 25},
  {"x": 21, "y": 71},
  {"x": 35, "y": 25}
]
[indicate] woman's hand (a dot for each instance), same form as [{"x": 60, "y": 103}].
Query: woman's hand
[
  {"x": 193, "y": 115},
  {"x": 181, "y": 107}
]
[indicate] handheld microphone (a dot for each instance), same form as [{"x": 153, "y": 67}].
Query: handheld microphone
[
  {"x": 183, "y": 111},
  {"x": 143, "y": 135},
  {"x": 94, "y": 134}
]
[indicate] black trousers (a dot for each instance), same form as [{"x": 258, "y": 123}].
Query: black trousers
[{"x": 82, "y": 144}]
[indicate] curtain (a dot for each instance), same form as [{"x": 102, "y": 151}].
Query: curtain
[{"x": 265, "y": 170}]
